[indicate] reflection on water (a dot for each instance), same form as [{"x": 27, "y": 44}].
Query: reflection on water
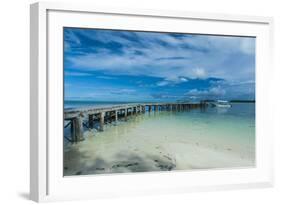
[{"x": 198, "y": 139}]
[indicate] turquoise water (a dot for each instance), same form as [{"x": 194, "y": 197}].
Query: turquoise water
[{"x": 159, "y": 141}]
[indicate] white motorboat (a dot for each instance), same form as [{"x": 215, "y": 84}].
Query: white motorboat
[{"x": 222, "y": 103}]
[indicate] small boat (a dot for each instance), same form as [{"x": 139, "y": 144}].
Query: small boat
[{"x": 221, "y": 103}]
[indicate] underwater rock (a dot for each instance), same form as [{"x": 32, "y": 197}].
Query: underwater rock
[
  {"x": 166, "y": 167},
  {"x": 125, "y": 165},
  {"x": 100, "y": 169},
  {"x": 169, "y": 158}
]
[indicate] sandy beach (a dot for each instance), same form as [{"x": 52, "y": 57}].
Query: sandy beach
[{"x": 160, "y": 142}]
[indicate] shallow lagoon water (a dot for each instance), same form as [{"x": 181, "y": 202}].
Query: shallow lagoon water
[{"x": 165, "y": 141}]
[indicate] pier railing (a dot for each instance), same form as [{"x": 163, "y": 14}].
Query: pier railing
[{"x": 114, "y": 113}]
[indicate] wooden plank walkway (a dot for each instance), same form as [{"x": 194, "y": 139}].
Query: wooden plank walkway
[{"x": 114, "y": 112}]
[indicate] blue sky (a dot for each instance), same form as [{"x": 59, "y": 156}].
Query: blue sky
[{"x": 108, "y": 65}]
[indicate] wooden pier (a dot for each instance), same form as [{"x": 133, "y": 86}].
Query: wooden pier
[{"x": 111, "y": 114}]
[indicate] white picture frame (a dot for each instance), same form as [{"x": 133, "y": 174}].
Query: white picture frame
[{"x": 46, "y": 180}]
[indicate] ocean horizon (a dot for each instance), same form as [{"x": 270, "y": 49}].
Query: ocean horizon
[{"x": 70, "y": 104}]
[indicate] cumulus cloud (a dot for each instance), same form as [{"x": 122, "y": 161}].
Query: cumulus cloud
[
  {"x": 172, "y": 59},
  {"x": 163, "y": 83},
  {"x": 199, "y": 73},
  {"x": 209, "y": 93},
  {"x": 225, "y": 89},
  {"x": 172, "y": 80},
  {"x": 155, "y": 54},
  {"x": 164, "y": 96}
]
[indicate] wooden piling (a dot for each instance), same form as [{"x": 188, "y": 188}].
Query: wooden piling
[
  {"x": 156, "y": 108},
  {"x": 91, "y": 121},
  {"x": 78, "y": 129},
  {"x": 72, "y": 131},
  {"x": 116, "y": 115},
  {"x": 102, "y": 114},
  {"x": 125, "y": 113}
]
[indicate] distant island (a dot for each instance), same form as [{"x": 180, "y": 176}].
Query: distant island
[
  {"x": 232, "y": 101},
  {"x": 242, "y": 101}
]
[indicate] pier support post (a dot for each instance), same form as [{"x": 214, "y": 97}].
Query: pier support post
[
  {"x": 149, "y": 108},
  {"x": 78, "y": 129},
  {"x": 102, "y": 121},
  {"x": 125, "y": 113},
  {"x": 111, "y": 114},
  {"x": 116, "y": 115},
  {"x": 91, "y": 121},
  {"x": 72, "y": 131},
  {"x": 156, "y": 108}
]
